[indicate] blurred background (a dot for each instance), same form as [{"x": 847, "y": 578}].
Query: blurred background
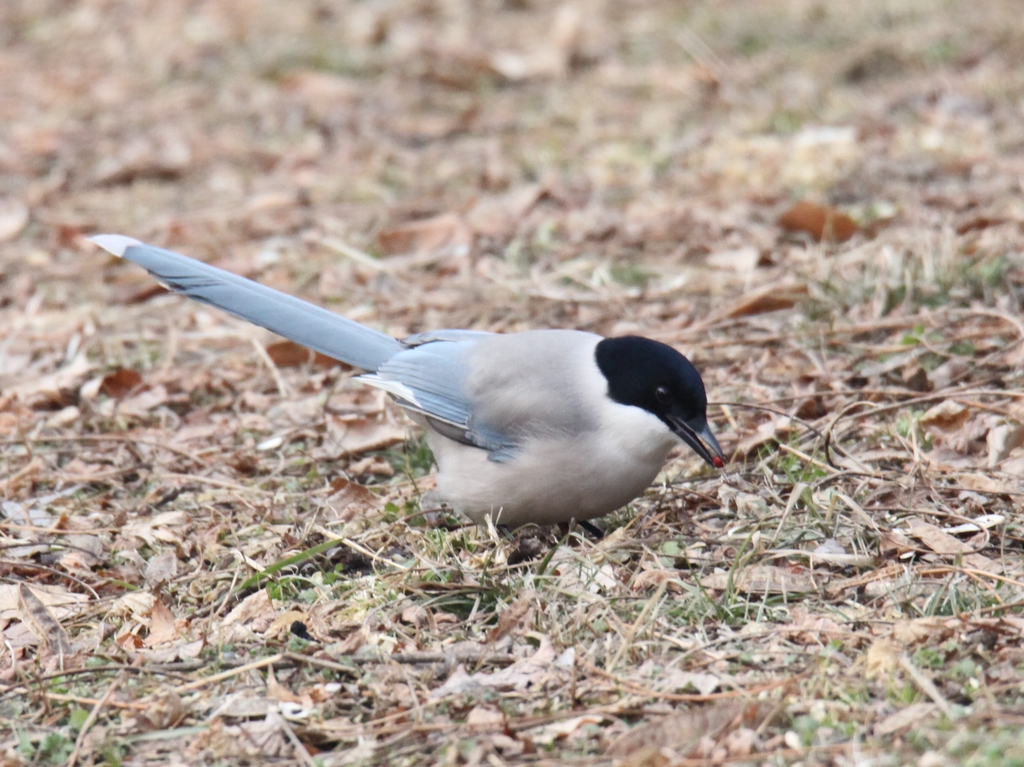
[{"x": 503, "y": 164}]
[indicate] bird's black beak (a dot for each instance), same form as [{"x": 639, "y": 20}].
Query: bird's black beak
[{"x": 699, "y": 437}]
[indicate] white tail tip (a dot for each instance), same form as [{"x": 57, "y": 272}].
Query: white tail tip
[{"x": 116, "y": 244}]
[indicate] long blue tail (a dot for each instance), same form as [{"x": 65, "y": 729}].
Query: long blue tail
[{"x": 293, "y": 318}]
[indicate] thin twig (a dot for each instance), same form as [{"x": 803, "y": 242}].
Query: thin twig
[
  {"x": 252, "y": 666},
  {"x": 927, "y": 686},
  {"x": 282, "y": 385}
]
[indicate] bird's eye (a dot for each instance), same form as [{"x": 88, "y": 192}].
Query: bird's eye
[{"x": 662, "y": 394}]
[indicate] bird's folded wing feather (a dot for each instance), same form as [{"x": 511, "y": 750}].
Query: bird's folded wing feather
[
  {"x": 429, "y": 379},
  {"x": 419, "y": 339}
]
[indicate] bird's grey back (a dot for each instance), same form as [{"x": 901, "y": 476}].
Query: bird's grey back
[
  {"x": 532, "y": 383},
  {"x": 497, "y": 391}
]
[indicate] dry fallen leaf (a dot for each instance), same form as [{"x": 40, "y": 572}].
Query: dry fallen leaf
[
  {"x": 349, "y": 499},
  {"x": 136, "y": 605},
  {"x": 1002, "y": 440},
  {"x": 425, "y": 236},
  {"x": 167, "y": 526},
  {"x": 934, "y": 538},
  {"x": 350, "y": 644},
  {"x": 522, "y": 675},
  {"x": 650, "y": 579},
  {"x": 163, "y": 711},
  {"x": 894, "y": 543},
  {"x": 882, "y": 658},
  {"x": 819, "y": 221},
  {"x": 253, "y": 615},
  {"x": 742, "y": 260},
  {"x": 941, "y": 542},
  {"x": 142, "y": 403},
  {"x": 772, "y": 298},
  {"x": 681, "y": 732},
  {"x": 766, "y": 579},
  {"x": 499, "y": 216},
  {"x": 777, "y": 429},
  {"x": 576, "y": 573},
  {"x": 904, "y": 718},
  {"x": 120, "y": 383},
  {"x": 814, "y": 629},
  {"x": 928, "y": 628},
  {"x": 671, "y": 679},
  {"x": 482, "y": 719},
  {"x": 352, "y": 436},
  {"x": 161, "y": 568},
  {"x": 549, "y": 733},
  {"x": 162, "y": 626},
  {"x": 281, "y": 626},
  {"x": 23, "y": 476},
  {"x": 277, "y": 691},
  {"x": 371, "y": 464},
  {"x": 51, "y": 386},
  {"x": 945, "y": 418},
  {"x": 41, "y": 622},
  {"x": 243, "y": 705},
  {"x": 286, "y": 354},
  {"x": 512, "y": 617},
  {"x": 164, "y": 154}
]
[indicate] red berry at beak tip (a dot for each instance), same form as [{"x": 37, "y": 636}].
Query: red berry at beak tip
[{"x": 719, "y": 463}]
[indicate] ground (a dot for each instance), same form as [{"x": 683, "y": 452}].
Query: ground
[{"x": 212, "y": 545}]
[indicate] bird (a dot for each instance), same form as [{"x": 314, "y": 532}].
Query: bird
[{"x": 544, "y": 426}]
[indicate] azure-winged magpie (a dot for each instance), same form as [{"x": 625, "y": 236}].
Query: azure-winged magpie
[{"x": 542, "y": 426}]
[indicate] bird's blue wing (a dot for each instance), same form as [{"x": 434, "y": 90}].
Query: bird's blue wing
[{"x": 430, "y": 379}]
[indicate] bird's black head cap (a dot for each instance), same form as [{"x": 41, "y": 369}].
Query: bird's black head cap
[
  {"x": 651, "y": 375},
  {"x": 654, "y": 376}
]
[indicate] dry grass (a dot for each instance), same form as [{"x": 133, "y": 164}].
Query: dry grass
[{"x": 194, "y": 570}]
